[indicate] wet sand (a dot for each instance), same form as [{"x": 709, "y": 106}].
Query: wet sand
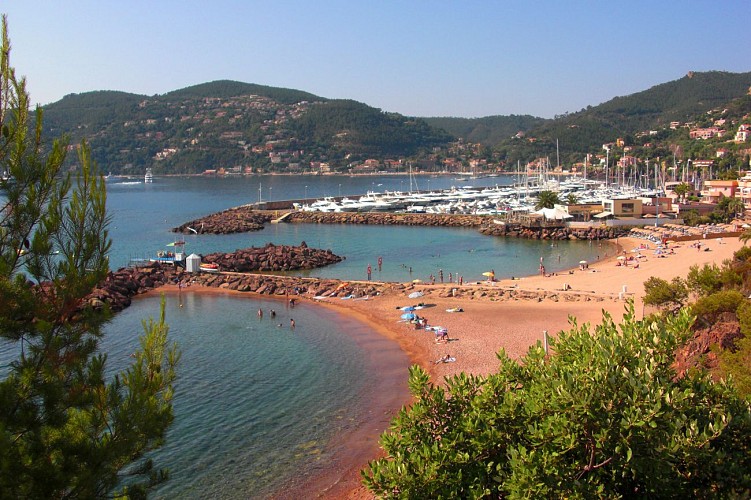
[{"x": 488, "y": 325}]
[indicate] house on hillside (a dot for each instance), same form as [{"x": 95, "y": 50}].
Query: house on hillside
[
  {"x": 743, "y": 133},
  {"x": 706, "y": 133},
  {"x": 714, "y": 190}
]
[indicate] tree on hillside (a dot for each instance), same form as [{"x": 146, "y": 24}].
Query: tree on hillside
[
  {"x": 605, "y": 416},
  {"x": 65, "y": 432}
]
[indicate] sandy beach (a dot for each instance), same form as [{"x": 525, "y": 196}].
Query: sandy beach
[{"x": 488, "y": 323}]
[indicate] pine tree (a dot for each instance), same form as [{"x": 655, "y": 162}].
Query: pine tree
[{"x": 65, "y": 430}]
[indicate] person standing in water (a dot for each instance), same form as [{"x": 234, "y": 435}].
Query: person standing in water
[{"x": 292, "y": 324}]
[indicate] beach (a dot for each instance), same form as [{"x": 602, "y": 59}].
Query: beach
[{"x": 495, "y": 315}]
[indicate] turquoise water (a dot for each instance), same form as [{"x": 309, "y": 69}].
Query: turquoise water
[
  {"x": 256, "y": 401},
  {"x": 144, "y": 213},
  {"x": 258, "y": 405}
]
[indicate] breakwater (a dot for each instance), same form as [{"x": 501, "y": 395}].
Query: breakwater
[
  {"x": 273, "y": 258},
  {"x": 121, "y": 286},
  {"x": 246, "y": 218}
]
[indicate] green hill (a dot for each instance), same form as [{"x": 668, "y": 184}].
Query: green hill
[
  {"x": 233, "y": 125},
  {"x": 489, "y": 130},
  {"x": 683, "y": 100},
  {"x": 241, "y": 126}
]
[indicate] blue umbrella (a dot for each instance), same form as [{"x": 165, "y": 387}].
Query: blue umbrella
[
  {"x": 408, "y": 316},
  {"x": 408, "y": 308}
]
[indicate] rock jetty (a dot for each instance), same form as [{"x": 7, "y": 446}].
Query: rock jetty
[
  {"x": 246, "y": 218},
  {"x": 562, "y": 233},
  {"x": 234, "y": 220},
  {"x": 273, "y": 258}
]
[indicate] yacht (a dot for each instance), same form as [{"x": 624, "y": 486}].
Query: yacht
[{"x": 149, "y": 176}]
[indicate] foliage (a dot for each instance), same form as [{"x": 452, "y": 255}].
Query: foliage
[
  {"x": 64, "y": 430},
  {"x": 488, "y": 130},
  {"x": 229, "y": 88},
  {"x": 547, "y": 199},
  {"x": 709, "y": 307},
  {"x": 218, "y": 125},
  {"x": 726, "y": 210},
  {"x": 667, "y": 295},
  {"x": 682, "y": 190},
  {"x": 710, "y": 278},
  {"x": 604, "y": 417}
]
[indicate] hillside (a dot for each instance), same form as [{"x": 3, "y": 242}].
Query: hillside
[
  {"x": 682, "y": 100},
  {"x": 241, "y": 127},
  {"x": 489, "y": 130},
  {"x": 233, "y": 126}
]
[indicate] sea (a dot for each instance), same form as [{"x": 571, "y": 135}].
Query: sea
[{"x": 258, "y": 405}]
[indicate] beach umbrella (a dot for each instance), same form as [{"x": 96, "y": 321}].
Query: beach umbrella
[
  {"x": 621, "y": 257},
  {"x": 415, "y": 295},
  {"x": 408, "y": 316},
  {"x": 582, "y": 262},
  {"x": 488, "y": 274},
  {"x": 416, "y": 281},
  {"x": 408, "y": 308}
]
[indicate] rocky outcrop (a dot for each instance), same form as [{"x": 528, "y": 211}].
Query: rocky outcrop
[
  {"x": 698, "y": 351},
  {"x": 273, "y": 258}
]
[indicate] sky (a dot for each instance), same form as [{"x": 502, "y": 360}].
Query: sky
[{"x": 418, "y": 58}]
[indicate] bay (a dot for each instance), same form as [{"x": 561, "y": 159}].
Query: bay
[{"x": 258, "y": 406}]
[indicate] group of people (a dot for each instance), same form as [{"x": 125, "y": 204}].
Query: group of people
[{"x": 272, "y": 313}]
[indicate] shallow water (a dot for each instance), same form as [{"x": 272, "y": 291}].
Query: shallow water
[{"x": 255, "y": 401}]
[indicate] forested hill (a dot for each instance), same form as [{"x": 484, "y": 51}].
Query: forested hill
[
  {"x": 678, "y": 100},
  {"x": 489, "y": 130},
  {"x": 683, "y": 100},
  {"x": 233, "y": 125},
  {"x": 245, "y": 127}
]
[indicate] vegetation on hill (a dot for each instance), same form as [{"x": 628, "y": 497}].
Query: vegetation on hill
[
  {"x": 489, "y": 130},
  {"x": 241, "y": 127},
  {"x": 234, "y": 126},
  {"x": 345, "y": 127},
  {"x": 224, "y": 89},
  {"x": 632, "y": 117}
]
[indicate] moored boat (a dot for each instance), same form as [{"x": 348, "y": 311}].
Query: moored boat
[{"x": 208, "y": 267}]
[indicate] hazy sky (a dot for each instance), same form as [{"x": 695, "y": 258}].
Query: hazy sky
[{"x": 419, "y": 58}]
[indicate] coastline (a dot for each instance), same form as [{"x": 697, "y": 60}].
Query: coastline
[{"x": 491, "y": 320}]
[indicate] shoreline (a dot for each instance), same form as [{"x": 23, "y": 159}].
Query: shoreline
[{"x": 494, "y": 319}]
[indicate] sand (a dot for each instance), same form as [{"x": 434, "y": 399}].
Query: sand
[{"x": 486, "y": 326}]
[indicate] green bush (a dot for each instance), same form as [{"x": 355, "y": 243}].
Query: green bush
[{"x": 708, "y": 308}]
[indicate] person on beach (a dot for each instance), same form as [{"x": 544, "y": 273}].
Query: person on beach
[
  {"x": 292, "y": 302},
  {"x": 440, "y": 275},
  {"x": 444, "y": 359},
  {"x": 380, "y": 263},
  {"x": 370, "y": 271},
  {"x": 273, "y": 313},
  {"x": 291, "y": 324},
  {"x": 260, "y": 312}
]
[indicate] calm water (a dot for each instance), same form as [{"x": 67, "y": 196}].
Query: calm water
[
  {"x": 144, "y": 213},
  {"x": 257, "y": 403}
]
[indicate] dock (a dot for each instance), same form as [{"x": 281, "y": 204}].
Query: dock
[{"x": 283, "y": 218}]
